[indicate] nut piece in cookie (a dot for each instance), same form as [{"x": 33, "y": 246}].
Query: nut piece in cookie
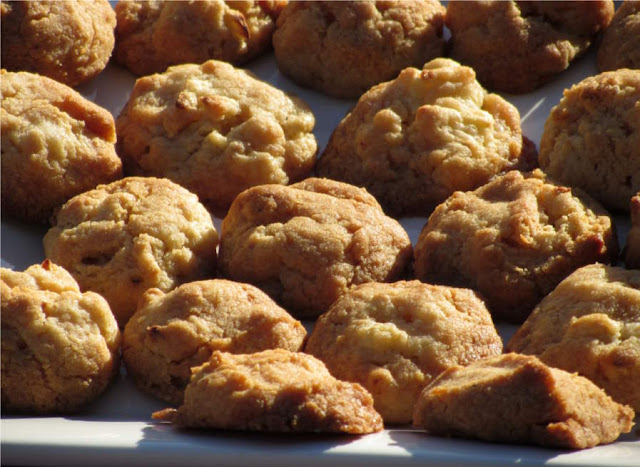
[
  {"x": 632, "y": 248},
  {"x": 59, "y": 346},
  {"x": 136, "y": 233},
  {"x": 517, "y": 46},
  {"x": 620, "y": 46},
  {"x": 413, "y": 141},
  {"x": 344, "y": 48},
  {"x": 55, "y": 145},
  {"x": 216, "y": 130},
  {"x": 394, "y": 339},
  {"x": 517, "y": 399},
  {"x": 590, "y": 324},
  {"x": 173, "y": 332},
  {"x": 591, "y": 139},
  {"x": 70, "y": 41},
  {"x": 308, "y": 243},
  {"x": 513, "y": 240},
  {"x": 152, "y": 35},
  {"x": 274, "y": 390}
]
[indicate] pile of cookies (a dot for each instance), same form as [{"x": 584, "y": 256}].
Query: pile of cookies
[{"x": 211, "y": 322}]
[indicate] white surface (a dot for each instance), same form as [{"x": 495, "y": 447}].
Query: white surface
[{"x": 118, "y": 428}]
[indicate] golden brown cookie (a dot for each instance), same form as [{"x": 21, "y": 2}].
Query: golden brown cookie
[
  {"x": 517, "y": 399},
  {"x": 413, "y": 141},
  {"x": 59, "y": 346},
  {"x": 55, "y": 145},
  {"x": 70, "y": 41},
  {"x": 308, "y": 243},
  {"x": 394, "y": 339},
  {"x": 215, "y": 130},
  {"x": 136, "y": 233},
  {"x": 632, "y": 248},
  {"x": 513, "y": 240},
  {"x": 344, "y": 48},
  {"x": 173, "y": 332},
  {"x": 591, "y": 139},
  {"x": 620, "y": 46},
  {"x": 517, "y": 46},
  {"x": 590, "y": 324},
  {"x": 274, "y": 390},
  {"x": 152, "y": 35}
]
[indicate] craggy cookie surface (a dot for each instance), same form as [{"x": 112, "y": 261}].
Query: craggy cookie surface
[
  {"x": 308, "y": 243},
  {"x": 344, "y": 48},
  {"x": 59, "y": 346},
  {"x": 123, "y": 238},
  {"x": 620, "y": 47},
  {"x": 513, "y": 240},
  {"x": 173, "y": 332},
  {"x": 215, "y": 130},
  {"x": 395, "y": 338},
  {"x": 632, "y": 248},
  {"x": 55, "y": 144},
  {"x": 413, "y": 141}
]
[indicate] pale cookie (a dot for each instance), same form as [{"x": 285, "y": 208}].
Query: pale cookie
[
  {"x": 307, "y": 244},
  {"x": 513, "y": 240},
  {"x": 394, "y": 339},
  {"x": 590, "y": 324},
  {"x": 59, "y": 346},
  {"x": 344, "y": 48},
  {"x": 275, "y": 391},
  {"x": 517, "y": 46},
  {"x": 517, "y": 399},
  {"x": 173, "y": 332},
  {"x": 413, "y": 141},
  {"x": 123, "y": 238},
  {"x": 216, "y": 130},
  {"x": 152, "y": 35},
  {"x": 632, "y": 248},
  {"x": 620, "y": 46},
  {"x": 70, "y": 41},
  {"x": 591, "y": 139}
]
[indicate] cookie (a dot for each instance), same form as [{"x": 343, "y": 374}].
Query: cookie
[
  {"x": 343, "y": 48},
  {"x": 413, "y": 141},
  {"x": 59, "y": 346},
  {"x": 128, "y": 236},
  {"x": 589, "y": 325},
  {"x": 513, "y": 240},
  {"x": 632, "y": 248},
  {"x": 517, "y": 46},
  {"x": 276, "y": 391},
  {"x": 215, "y": 130},
  {"x": 308, "y": 243},
  {"x": 152, "y": 35},
  {"x": 517, "y": 399},
  {"x": 591, "y": 139},
  {"x": 620, "y": 46},
  {"x": 70, "y": 41},
  {"x": 172, "y": 332},
  {"x": 394, "y": 339},
  {"x": 55, "y": 144}
]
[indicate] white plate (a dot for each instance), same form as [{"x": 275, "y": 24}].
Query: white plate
[{"x": 118, "y": 429}]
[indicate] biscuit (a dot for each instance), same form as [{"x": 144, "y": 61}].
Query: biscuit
[
  {"x": 591, "y": 139},
  {"x": 55, "y": 145},
  {"x": 216, "y": 130},
  {"x": 620, "y": 46},
  {"x": 632, "y": 248},
  {"x": 152, "y": 35},
  {"x": 70, "y": 41},
  {"x": 308, "y": 243},
  {"x": 590, "y": 324},
  {"x": 136, "y": 233},
  {"x": 59, "y": 346},
  {"x": 517, "y": 399},
  {"x": 517, "y": 46},
  {"x": 394, "y": 339},
  {"x": 274, "y": 390},
  {"x": 413, "y": 141},
  {"x": 513, "y": 240},
  {"x": 343, "y": 48},
  {"x": 173, "y": 332}
]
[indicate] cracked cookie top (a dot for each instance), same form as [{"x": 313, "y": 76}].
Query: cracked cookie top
[{"x": 620, "y": 46}]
